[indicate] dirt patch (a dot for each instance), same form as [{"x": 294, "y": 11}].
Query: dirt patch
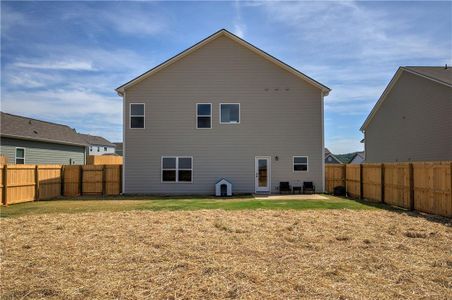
[{"x": 217, "y": 254}]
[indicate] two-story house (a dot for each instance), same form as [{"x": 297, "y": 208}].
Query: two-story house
[
  {"x": 98, "y": 145},
  {"x": 222, "y": 109},
  {"x": 412, "y": 120}
]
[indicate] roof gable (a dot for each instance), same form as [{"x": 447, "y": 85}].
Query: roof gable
[
  {"x": 223, "y": 32},
  {"x": 440, "y": 75}
]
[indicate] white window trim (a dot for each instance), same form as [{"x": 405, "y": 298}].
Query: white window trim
[
  {"x": 203, "y": 115},
  {"x": 130, "y": 115},
  {"x": 176, "y": 169},
  {"x": 230, "y": 123},
  {"x": 293, "y": 163},
  {"x": 15, "y": 155}
]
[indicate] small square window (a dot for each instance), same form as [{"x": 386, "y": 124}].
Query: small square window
[
  {"x": 300, "y": 163},
  {"x": 229, "y": 113}
]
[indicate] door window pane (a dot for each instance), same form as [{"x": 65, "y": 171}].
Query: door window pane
[{"x": 262, "y": 172}]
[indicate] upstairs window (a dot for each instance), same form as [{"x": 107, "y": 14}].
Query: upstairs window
[
  {"x": 229, "y": 113},
  {"x": 204, "y": 115},
  {"x": 177, "y": 169},
  {"x": 300, "y": 163},
  {"x": 136, "y": 115},
  {"x": 20, "y": 156}
]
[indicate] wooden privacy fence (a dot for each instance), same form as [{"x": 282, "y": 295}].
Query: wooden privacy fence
[
  {"x": 104, "y": 160},
  {"x": 24, "y": 183},
  {"x": 422, "y": 186}
]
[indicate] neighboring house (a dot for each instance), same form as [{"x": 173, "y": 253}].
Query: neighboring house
[
  {"x": 358, "y": 158},
  {"x": 118, "y": 148},
  {"x": 222, "y": 109},
  {"x": 412, "y": 119},
  {"x": 330, "y": 158},
  {"x": 30, "y": 141},
  {"x": 98, "y": 145}
]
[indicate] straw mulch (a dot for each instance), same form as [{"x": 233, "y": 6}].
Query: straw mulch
[{"x": 214, "y": 254}]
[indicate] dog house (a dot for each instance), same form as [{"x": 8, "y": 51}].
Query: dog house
[{"x": 223, "y": 188}]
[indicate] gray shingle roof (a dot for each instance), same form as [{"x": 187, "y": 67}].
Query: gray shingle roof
[
  {"x": 96, "y": 140},
  {"x": 32, "y": 129},
  {"x": 437, "y": 73}
]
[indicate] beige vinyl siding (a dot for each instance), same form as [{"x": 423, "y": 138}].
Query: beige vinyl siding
[
  {"x": 37, "y": 152},
  {"x": 280, "y": 115},
  {"x": 414, "y": 123}
]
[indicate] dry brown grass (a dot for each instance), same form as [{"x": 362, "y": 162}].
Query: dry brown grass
[{"x": 217, "y": 254}]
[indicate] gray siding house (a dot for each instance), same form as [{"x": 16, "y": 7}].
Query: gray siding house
[
  {"x": 412, "y": 120},
  {"x": 98, "y": 145},
  {"x": 222, "y": 109},
  {"x": 29, "y": 141}
]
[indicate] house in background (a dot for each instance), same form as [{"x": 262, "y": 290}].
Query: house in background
[
  {"x": 118, "y": 148},
  {"x": 30, "y": 141},
  {"x": 330, "y": 158},
  {"x": 412, "y": 120},
  {"x": 222, "y": 109},
  {"x": 358, "y": 158},
  {"x": 98, "y": 145}
]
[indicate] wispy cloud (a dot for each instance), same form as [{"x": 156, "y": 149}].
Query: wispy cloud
[
  {"x": 58, "y": 65},
  {"x": 239, "y": 26}
]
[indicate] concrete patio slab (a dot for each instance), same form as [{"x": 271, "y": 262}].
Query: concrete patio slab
[{"x": 292, "y": 197}]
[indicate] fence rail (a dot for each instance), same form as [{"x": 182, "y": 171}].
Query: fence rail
[
  {"x": 24, "y": 183},
  {"x": 421, "y": 186}
]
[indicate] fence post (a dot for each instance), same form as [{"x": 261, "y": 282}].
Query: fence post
[
  {"x": 360, "y": 181},
  {"x": 103, "y": 180},
  {"x": 36, "y": 182},
  {"x": 80, "y": 179},
  {"x": 382, "y": 183},
  {"x": 62, "y": 180},
  {"x": 5, "y": 185},
  {"x": 120, "y": 179},
  {"x": 411, "y": 176}
]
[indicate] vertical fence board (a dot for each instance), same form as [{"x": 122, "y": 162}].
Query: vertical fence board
[
  {"x": 432, "y": 188},
  {"x": 72, "y": 182},
  {"x": 397, "y": 184},
  {"x": 113, "y": 179},
  {"x": 352, "y": 174},
  {"x": 49, "y": 181},
  {"x": 20, "y": 183},
  {"x": 92, "y": 180},
  {"x": 334, "y": 176},
  {"x": 371, "y": 182},
  {"x": 2, "y": 188}
]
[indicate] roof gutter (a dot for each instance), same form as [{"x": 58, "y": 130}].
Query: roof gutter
[{"x": 40, "y": 140}]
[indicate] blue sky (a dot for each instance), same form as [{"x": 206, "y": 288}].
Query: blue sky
[{"x": 62, "y": 60}]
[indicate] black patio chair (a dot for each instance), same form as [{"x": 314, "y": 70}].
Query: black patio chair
[
  {"x": 308, "y": 187},
  {"x": 284, "y": 186}
]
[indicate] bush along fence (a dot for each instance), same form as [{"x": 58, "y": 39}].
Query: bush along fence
[
  {"x": 24, "y": 183},
  {"x": 421, "y": 186}
]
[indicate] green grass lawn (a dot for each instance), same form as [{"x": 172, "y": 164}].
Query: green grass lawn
[{"x": 157, "y": 204}]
